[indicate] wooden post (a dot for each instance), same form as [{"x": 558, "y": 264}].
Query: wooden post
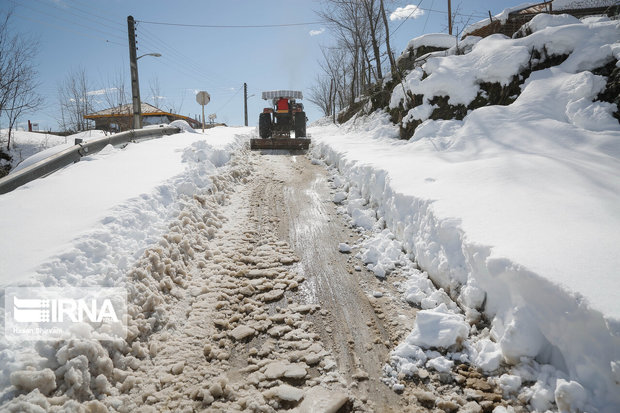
[
  {"x": 450, "y": 17},
  {"x": 245, "y": 102},
  {"x": 133, "y": 67}
]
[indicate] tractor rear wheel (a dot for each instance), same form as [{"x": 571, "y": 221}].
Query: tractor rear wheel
[
  {"x": 264, "y": 125},
  {"x": 300, "y": 124}
]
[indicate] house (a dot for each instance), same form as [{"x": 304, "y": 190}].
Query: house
[
  {"x": 509, "y": 21},
  {"x": 120, "y": 118}
]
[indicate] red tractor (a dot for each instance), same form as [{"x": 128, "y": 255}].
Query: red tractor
[{"x": 276, "y": 123}]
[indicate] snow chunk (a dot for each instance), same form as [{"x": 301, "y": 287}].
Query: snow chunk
[
  {"x": 364, "y": 218},
  {"x": 570, "y": 396},
  {"x": 284, "y": 392},
  {"x": 509, "y": 383},
  {"x": 28, "y": 380},
  {"x": 339, "y": 197},
  {"x": 382, "y": 253},
  {"x": 521, "y": 337},
  {"x": 241, "y": 332},
  {"x": 320, "y": 399},
  {"x": 344, "y": 247},
  {"x": 438, "y": 328},
  {"x": 489, "y": 355},
  {"x": 421, "y": 112},
  {"x": 440, "y": 364}
]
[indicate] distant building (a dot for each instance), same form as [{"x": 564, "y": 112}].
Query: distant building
[
  {"x": 509, "y": 21},
  {"x": 120, "y": 118}
]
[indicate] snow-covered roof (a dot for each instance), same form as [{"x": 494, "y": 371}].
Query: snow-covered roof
[
  {"x": 502, "y": 17},
  {"x": 288, "y": 94},
  {"x": 582, "y": 4},
  {"x": 127, "y": 109},
  {"x": 555, "y": 5}
]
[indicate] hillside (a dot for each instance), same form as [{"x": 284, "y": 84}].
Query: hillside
[
  {"x": 25, "y": 145},
  {"x": 503, "y": 190}
]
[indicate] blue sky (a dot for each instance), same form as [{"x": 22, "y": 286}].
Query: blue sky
[{"x": 93, "y": 35}]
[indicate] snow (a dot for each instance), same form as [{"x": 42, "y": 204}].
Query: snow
[
  {"x": 580, "y": 4},
  {"x": 502, "y": 17},
  {"x": 39, "y": 156},
  {"x": 570, "y": 396},
  {"x": 438, "y": 40},
  {"x": 509, "y": 383},
  {"x": 440, "y": 364},
  {"x": 344, "y": 247},
  {"x": 438, "y": 328},
  {"x": 544, "y": 20},
  {"x": 88, "y": 224},
  {"x": 514, "y": 211},
  {"x": 109, "y": 205},
  {"x": 433, "y": 40},
  {"x": 30, "y": 147},
  {"x": 28, "y": 380}
]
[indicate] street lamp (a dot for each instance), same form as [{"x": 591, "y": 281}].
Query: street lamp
[
  {"x": 133, "y": 66},
  {"x": 149, "y": 54},
  {"x": 137, "y": 104}
]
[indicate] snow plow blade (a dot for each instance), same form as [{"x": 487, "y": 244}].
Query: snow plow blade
[{"x": 280, "y": 143}]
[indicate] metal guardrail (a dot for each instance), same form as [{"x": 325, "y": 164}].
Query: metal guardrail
[{"x": 74, "y": 154}]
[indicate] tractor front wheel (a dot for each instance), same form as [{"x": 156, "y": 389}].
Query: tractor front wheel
[
  {"x": 300, "y": 124},
  {"x": 264, "y": 125}
]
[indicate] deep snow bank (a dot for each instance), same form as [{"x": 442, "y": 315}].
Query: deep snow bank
[
  {"x": 132, "y": 190},
  {"x": 87, "y": 224},
  {"x": 142, "y": 241},
  {"x": 514, "y": 211}
]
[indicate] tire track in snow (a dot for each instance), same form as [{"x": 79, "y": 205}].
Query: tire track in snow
[{"x": 237, "y": 339}]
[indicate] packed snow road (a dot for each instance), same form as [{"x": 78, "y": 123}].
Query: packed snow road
[{"x": 273, "y": 316}]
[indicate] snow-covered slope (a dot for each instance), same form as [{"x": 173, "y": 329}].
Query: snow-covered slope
[
  {"x": 62, "y": 225},
  {"x": 514, "y": 211},
  {"x": 26, "y": 147}
]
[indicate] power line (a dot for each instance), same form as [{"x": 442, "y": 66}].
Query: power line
[
  {"x": 84, "y": 15},
  {"x": 56, "y": 17},
  {"x": 68, "y": 30},
  {"x": 92, "y": 6},
  {"x": 155, "y": 43},
  {"x": 427, "y": 17},
  {"x": 233, "y": 26},
  {"x": 228, "y": 101}
]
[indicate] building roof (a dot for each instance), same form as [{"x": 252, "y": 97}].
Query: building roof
[
  {"x": 125, "y": 110},
  {"x": 511, "y": 19},
  {"x": 582, "y": 4}
]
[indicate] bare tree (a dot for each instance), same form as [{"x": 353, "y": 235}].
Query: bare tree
[
  {"x": 374, "y": 23},
  {"x": 176, "y": 108},
  {"x": 359, "y": 27},
  {"x": 321, "y": 94},
  {"x": 17, "y": 75},
  {"x": 75, "y": 101},
  {"x": 387, "y": 39},
  {"x": 155, "y": 91},
  {"x": 115, "y": 92}
]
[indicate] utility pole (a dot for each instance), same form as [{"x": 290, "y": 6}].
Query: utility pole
[
  {"x": 449, "y": 17},
  {"x": 133, "y": 65},
  {"x": 245, "y": 102}
]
